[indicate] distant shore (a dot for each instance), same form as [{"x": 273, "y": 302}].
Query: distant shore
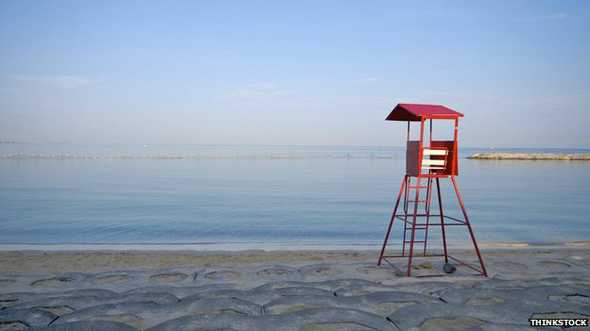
[{"x": 530, "y": 156}]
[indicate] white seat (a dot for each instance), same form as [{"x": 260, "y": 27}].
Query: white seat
[
  {"x": 434, "y": 164},
  {"x": 442, "y": 152},
  {"x": 430, "y": 162}
]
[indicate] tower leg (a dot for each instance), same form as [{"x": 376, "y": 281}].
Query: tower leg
[
  {"x": 399, "y": 195},
  {"x": 411, "y": 255},
  {"x": 483, "y": 268},
  {"x": 408, "y": 185},
  {"x": 442, "y": 221},
  {"x": 427, "y": 212}
]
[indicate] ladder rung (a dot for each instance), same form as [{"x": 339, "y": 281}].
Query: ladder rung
[
  {"x": 417, "y": 200},
  {"x": 418, "y": 225},
  {"x": 416, "y": 241},
  {"x": 417, "y": 228},
  {"x": 417, "y": 186}
]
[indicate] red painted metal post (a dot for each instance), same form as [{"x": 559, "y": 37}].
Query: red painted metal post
[
  {"x": 442, "y": 221},
  {"x": 413, "y": 236},
  {"x": 417, "y": 198},
  {"x": 408, "y": 184},
  {"x": 428, "y": 193},
  {"x": 483, "y": 268},
  {"x": 421, "y": 148},
  {"x": 430, "y": 135},
  {"x": 427, "y": 212},
  {"x": 402, "y": 188},
  {"x": 455, "y": 147}
]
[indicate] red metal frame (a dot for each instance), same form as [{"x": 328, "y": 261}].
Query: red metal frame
[{"x": 431, "y": 177}]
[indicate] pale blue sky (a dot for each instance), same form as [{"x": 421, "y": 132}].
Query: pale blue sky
[{"x": 292, "y": 72}]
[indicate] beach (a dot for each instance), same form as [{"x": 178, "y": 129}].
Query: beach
[
  {"x": 289, "y": 290},
  {"x": 294, "y": 166}
]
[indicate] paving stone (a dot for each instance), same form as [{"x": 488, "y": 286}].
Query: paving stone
[
  {"x": 343, "y": 286},
  {"x": 509, "y": 266},
  {"x": 53, "y": 281},
  {"x": 310, "y": 297},
  {"x": 145, "y": 314},
  {"x": 576, "y": 298},
  {"x": 359, "y": 287},
  {"x": 62, "y": 282},
  {"x": 8, "y": 300},
  {"x": 352, "y": 287},
  {"x": 80, "y": 302},
  {"x": 530, "y": 296},
  {"x": 179, "y": 291},
  {"x": 111, "y": 278},
  {"x": 320, "y": 270},
  {"x": 30, "y": 317},
  {"x": 380, "y": 303},
  {"x": 204, "y": 306},
  {"x": 225, "y": 322},
  {"x": 499, "y": 283},
  {"x": 335, "y": 327},
  {"x": 100, "y": 293},
  {"x": 429, "y": 287},
  {"x": 309, "y": 319},
  {"x": 303, "y": 290},
  {"x": 128, "y": 313},
  {"x": 18, "y": 298},
  {"x": 256, "y": 296},
  {"x": 6, "y": 281},
  {"x": 512, "y": 311},
  {"x": 555, "y": 264},
  {"x": 12, "y": 326},
  {"x": 222, "y": 275},
  {"x": 170, "y": 277},
  {"x": 450, "y": 324},
  {"x": 262, "y": 296},
  {"x": 87, "y": 326},
  {"x": 279, "y": 273},
  {"x": 375, "y": 272}
]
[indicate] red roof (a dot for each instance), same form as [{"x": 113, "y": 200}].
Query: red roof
[{"x": 416, "y": 112}]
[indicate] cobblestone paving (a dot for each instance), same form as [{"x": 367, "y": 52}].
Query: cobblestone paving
[{"x": 302, "y": 296}]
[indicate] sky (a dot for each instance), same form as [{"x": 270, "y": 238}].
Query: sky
[{"x": 292, "y": 72}]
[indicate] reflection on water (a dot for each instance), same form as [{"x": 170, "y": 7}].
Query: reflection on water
[{"x": 264, "y": 194}]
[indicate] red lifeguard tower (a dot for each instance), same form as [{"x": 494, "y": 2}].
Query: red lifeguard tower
[{"x": 427, "y": 162}]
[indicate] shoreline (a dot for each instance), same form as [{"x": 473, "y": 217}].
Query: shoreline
[{"x": 257, "y": 246}]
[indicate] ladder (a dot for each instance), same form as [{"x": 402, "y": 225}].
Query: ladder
[
  {"x": 435, "y": 159},
  {"x": 412, "y": 213},
  {"x": 415, "y": 195}
]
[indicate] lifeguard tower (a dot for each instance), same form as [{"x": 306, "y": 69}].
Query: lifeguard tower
[{"x": 427, "y": 163}]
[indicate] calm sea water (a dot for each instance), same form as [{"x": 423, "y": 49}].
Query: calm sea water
[{"x": 290, "y": 196}]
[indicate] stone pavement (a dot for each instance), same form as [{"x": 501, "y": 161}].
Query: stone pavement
[{"x": 302, "y": 296}]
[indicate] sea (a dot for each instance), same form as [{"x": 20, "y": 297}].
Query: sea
[{"x": 228, "y": 197}]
